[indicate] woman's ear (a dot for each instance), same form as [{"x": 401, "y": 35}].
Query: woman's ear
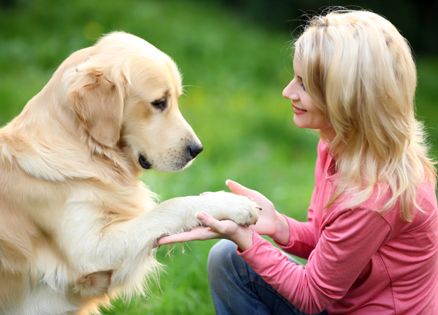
[{"x": 97, "y": 102}]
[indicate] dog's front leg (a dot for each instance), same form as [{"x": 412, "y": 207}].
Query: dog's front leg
[
  {"x": 127, "y": 247},
  {"x": 177, "y": 215}
]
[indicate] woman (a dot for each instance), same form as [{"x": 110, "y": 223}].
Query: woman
[{"x": 371, "y": 239}]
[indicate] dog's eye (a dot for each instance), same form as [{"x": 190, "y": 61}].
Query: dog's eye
[{"x": 160, "y": 104}]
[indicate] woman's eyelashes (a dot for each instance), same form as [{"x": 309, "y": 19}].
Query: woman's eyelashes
[{"x": 300, "y": 81}]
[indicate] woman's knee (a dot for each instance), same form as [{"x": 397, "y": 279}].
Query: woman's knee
[{"x": 221, "y": 257}]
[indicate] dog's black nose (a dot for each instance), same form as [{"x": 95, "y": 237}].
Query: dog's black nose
[{"x": 194, "y": 149}]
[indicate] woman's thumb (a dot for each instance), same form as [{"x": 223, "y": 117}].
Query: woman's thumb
[{"x": 206, "y": 220}]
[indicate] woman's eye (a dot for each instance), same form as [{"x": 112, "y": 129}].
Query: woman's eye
[
  {"x": 160, "y": 104},
  {"x": 300, "y": 81}
]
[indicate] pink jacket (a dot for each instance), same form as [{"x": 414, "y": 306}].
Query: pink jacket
[{"x": 359, "y": 261}]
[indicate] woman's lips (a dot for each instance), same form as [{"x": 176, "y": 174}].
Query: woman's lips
[{"x": 298, "y": 110}]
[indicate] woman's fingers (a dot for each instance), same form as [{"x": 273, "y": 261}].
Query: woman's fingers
[
  {"x": 207, "y": 220},
  {"x": 239, "y": 189},
  {"x": 252, "y": 194},
  {"x": 224, "y": 228},
  {"x": 211, "y": 229},
  {"x": 197, "y": 233}
]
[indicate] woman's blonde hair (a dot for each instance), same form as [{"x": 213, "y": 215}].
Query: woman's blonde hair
[{"x": 359, "y": 71}]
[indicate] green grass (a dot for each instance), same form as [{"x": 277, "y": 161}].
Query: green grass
[{"x": 233, "y": 72}]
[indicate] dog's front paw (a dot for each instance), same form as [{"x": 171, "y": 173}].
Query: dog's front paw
[{"x": 233, "y": 207}]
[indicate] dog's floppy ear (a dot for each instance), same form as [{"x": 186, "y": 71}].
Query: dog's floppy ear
[{"x": 97, "y": 102}]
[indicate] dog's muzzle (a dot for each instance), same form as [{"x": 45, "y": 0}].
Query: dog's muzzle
[{"x": 191, "y": 151}]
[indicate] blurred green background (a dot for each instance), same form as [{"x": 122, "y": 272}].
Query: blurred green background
[{"x": 235, "y": 58}]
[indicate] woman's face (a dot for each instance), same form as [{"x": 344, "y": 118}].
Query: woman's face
[{"x": 306, "y": 114}]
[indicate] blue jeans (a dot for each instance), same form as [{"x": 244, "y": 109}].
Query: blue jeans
[{"x": 237, "y": 289}]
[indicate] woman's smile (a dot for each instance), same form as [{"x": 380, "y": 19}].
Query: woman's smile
[{"x": 298, "y": 110}]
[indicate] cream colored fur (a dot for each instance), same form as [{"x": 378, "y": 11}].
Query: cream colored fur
[{"x": 76, "y": 225}]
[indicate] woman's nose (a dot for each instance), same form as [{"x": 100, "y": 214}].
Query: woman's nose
[
  {"x": 289, "y": 93},
  {"x": 286, "y": 89}
]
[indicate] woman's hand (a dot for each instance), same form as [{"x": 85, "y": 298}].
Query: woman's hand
[
  {"x": 212, "y": 228},
  {"x": 269, "y": 222}
]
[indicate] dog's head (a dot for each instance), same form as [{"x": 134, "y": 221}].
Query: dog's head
[{"x": 124, "y": 92}]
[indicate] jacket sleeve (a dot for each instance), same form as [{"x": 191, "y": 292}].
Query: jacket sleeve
[
  {"x": 347, "y": 243},
  {"x": 301, "y": 238}
]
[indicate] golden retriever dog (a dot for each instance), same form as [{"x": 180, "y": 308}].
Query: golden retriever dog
[{"x": 76, "y": 225}]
